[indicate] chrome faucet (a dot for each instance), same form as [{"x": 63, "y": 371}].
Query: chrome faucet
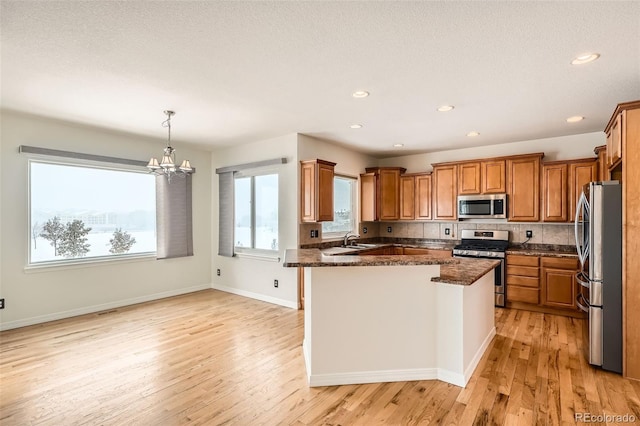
[{"x": 349, "y": 236}]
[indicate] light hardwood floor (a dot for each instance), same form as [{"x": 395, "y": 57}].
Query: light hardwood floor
[{"x": 211, "y": 358}]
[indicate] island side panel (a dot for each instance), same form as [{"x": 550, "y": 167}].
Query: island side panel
[
  {"x": 465, "y": 327},
  {"x": 370, "y": 324},
  {"x": 479, "y": 321}
]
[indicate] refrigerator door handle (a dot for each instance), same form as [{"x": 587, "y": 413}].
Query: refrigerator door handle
[
  {"x": 583, "y": 280},
  {"x": 581, "y": 246},
  {"x": 583, "y": 306}
]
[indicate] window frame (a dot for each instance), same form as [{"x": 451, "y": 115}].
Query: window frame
[
  {"x": 354, "y": 208},
  {"x": 71, "y": 263},
  {"x": 252, "y": 251}
]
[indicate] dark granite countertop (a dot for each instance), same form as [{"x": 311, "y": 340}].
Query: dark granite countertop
[
  {"x": 543, "y": 250},
  {"x": 459, "y": 271},
  {"x": 467, "y": 272},
  {"x": 315, "y": 258}
]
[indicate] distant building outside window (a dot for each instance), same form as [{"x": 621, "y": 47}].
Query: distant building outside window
[
  {"x": 344, "y": 205},
  {"x": 256, "y": 212},
  {"x": 80, "y": 212}
]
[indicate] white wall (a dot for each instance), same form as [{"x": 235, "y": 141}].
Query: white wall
[
  {"x": 559, "y": 148},
  {"x": 33, "y": 297},
  {"x": 347, "y": 162},
  {"x": 254, "y": 277}
]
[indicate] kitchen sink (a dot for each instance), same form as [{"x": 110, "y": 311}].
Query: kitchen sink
[
  {"x": 363, "y": 246},
  {"x": 333, "y": 251}
]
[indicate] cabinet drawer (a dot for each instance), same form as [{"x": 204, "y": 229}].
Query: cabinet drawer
[
  {"x": 517, "y": 259},
  {"x": 525, "y": 271},
  {"x": 560, "y": 263},
  {"x": 533, "y": 282},
  {"x": 522, "y": 294}
]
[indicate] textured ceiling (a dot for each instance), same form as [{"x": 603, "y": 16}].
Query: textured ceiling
[{"x": 237, "y": 72}]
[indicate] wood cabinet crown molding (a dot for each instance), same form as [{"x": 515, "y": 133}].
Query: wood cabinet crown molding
[
  {"x": 488, "y": 159},
  {"x": 621, "y": 107}
]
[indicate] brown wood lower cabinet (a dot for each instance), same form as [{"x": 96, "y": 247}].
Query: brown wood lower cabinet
[
  {"x": 559, "y": 282},
  {"x": 523, "y": 279},
  {"x": 542, "y": 283}
]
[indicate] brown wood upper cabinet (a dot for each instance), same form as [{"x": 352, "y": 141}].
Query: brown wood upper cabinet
[
  {"x": 316, "y": 190},
  {"x": 380, "y": 193},
  {"x": 523, "y": 188},
  {"x": 562, "y": 182},
  {"x": 603, "y": 169},
  {"x": 580, "y": 173},
  {"x": 554, "y": 192},
  {"x": 445, "y": 192},
  {"x": 407, "y": 197},
  {"x": 415, "y": 196},
  {"x": 482, "y": 177},
  {"x": 615, "y": 138},
  {"x": 494, "y": 179},
  {"x": 469, "y": 178}
]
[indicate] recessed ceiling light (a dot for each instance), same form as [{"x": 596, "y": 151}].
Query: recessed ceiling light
[
  {"x": 360, "y": 94},
  {"x": 575, "y": 119},
  {"x": 356, "y": 126},
  {"x": 445, "y": 108},
  {"x": 585, "y": 59},
  {"x": 398, "y": 145},
  {"x": 473, "y": 134}
]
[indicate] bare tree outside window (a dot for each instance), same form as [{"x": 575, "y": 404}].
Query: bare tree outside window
[
  {"x": 121, "y": 242},
  {"x": 53, "y": 231}
]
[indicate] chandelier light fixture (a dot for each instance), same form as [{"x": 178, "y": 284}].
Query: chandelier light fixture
[{"x": 167, "y": 165}]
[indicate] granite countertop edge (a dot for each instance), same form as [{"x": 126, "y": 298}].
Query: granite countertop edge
[{"x": 467, "y": 272}]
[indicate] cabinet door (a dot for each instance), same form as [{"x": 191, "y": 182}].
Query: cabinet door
[
  {"x": 368, "y": 208},
  {"x": 325, "y": 192},
  {"x": 554, "y": 192},
  {"x": 444, "y": 192},
  {"x": 468, "y": 178},
  {"x": 579, "y": 175},
  {"x": 308, "y": 192},
  {"x": 523, "y": 181},
  {"x": 558, "y": 288},
  {"x": 407, "y": 197},
  {"x": 494, "y": 180},
  {"x": 389, "y": 194},
  {"x": 614, "y": 140},
  {"x": 603, "y": 169},
  {"x": 423, "y": 197}
]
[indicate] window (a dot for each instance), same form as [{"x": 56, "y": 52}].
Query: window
[
  {"x": 87, "y": 212},
  {"x": 256, "y": 212},
  {"x": 344, "y": 208}
]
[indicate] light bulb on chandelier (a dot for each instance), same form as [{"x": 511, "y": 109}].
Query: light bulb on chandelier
[{"x": 167, "y": 165}]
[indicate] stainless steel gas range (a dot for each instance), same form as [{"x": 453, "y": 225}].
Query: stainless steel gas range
[{"x": 487, "y": 244}]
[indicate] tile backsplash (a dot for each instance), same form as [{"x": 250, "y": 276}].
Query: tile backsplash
[{"x": 560, "y": 234}]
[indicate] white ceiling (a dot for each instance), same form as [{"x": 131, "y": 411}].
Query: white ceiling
[{"x": 237, "y": 72}]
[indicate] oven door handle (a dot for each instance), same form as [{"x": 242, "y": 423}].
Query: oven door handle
[{"x": 581, "y": 306}]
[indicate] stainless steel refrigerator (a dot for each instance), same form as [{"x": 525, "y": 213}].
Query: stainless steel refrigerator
[{"x": 598, "y": 229}]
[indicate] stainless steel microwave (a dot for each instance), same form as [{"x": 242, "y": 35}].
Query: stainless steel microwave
[{"x": 490, "y": 206}]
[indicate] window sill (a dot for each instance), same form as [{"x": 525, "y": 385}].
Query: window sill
[
  {"x": 87, "y": 263},
  {"x": 259, "y": 255}
]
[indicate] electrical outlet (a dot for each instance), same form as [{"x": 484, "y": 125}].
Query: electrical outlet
[
  {"x": 529, "y": 233},
  {"x": 447, "y": 231},
  {"x": 311, "y": 233},
  {"x": 389, "y": 229},
  {"x": 218, "y": 272},
  {"x": 275, "y": 283},
  {"x": 364, "y": 229},
  {"x": 2, "y": 303}
]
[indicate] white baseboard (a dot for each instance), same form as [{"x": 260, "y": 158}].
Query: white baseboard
[
  {"x": 468, "y": 372},
  {"x": 97, "y": 308},
  {"x": 373, "y": 377},
  {"x": 257, "y": 296}
]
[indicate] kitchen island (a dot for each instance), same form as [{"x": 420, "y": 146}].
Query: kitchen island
[{"x": 394, "y": 318}]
